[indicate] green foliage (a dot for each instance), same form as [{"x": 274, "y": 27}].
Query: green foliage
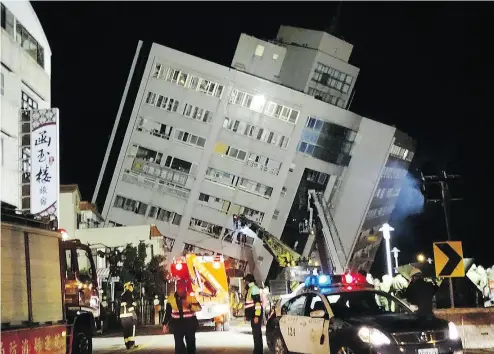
[
  {"x": 155, "y": 277},
  {"x": 151, "y": 276}
]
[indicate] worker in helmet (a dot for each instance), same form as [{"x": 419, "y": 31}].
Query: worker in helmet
[
  {"x": 180, "y": 318},
  {"x": 420, "y": 292},
  {"x": 253, "y": 312},
  {"x": 128, "y": 315}
]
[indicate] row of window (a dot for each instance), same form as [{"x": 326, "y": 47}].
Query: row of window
[
  {"x": 205, "y": 227},
  {"x": 171, "y": 105},
  {"x": 402, "y": 153},
  {"x": 318, "y": 152},
  {"x": 27, "y": 103},
  {"x": 394, "y": 173},
  {"x": 230, "y": 180},
  {"x": 171, "y": 184},
  {"x": 160, "y": 101},
  {"x": 332, "y": 129},
  {"x": 187, "y": 80},
  {"x": 258, "y": 103},
  {"x": 131, "y": 205},
  {"x": 154, "y": 128},
  {"x": 190, "y": 139},
  {"x": 19, "y": 33},
  {"x": 253, "y": 160},
  {"x": 171, "y": 162},
  {"x": 327, "y": 97},
  {"x": 333, "y": 78},
  {"x": 389, "y": 192},
  {"x": 164, "y": 215},
  {"x": 228, "y": 207},
  {"x": 256, "y": 132},
  {"x": 140, "y": 208},
  {"x": 200, "y": 114},
  {"x": 378, "y": 212}
]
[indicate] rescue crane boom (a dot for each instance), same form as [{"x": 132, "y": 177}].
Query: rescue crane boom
[{"x": 284, "y": 255}]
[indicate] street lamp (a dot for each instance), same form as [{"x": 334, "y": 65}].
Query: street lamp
[
  {"x": 386, "y": 230},
  {"x": 395, "y": 252},
  {"x": 421, "y": 258}
]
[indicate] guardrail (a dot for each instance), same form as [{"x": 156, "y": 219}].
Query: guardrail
[{"x": 476, "y": 325}]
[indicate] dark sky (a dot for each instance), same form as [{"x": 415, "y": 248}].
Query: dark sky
[{"x": 425, "y": 67}]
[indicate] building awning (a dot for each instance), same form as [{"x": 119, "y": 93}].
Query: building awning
[
  {"x": 103, "y": 273},
  {"x": 154, "y": 232}
]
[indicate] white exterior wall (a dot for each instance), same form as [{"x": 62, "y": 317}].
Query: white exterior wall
[
  {"x": 69, "y": 205},
  {"x": 365, "y": 167},
  {"x": 369, "y": 157},
  {"x": 322, "y": 41},
  {"x": 267, "y": 65},
  {"x": 20, "y": 73}
]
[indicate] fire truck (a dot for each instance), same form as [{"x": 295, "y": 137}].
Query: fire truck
[
  {"x": 209, "y": 283},
  {"x": 50, "y": 299}
]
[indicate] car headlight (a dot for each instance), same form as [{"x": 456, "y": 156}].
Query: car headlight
[
  {"x": 373, "y": 336},
  {"x": 453, "y": 331}
]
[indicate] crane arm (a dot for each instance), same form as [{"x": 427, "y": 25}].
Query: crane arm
[{"x": 284, "y": 255}]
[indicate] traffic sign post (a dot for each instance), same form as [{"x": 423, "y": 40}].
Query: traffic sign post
[{"x": 448, "y": 259}]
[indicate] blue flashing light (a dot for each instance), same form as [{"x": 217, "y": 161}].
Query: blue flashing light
[
  {"x": 324, "y": 280},
  {"x": 319, "y": 281}
]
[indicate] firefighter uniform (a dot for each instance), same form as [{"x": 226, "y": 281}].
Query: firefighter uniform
[
  {"x": 180, "y": 317},
  {"x": 128, "y": 315},
  {"x": 253, "y": 312}
]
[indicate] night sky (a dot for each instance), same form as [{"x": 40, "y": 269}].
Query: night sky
[{"x": 425, "y": 68}]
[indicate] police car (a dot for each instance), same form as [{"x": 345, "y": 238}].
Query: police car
[{"x": 345, "y": 314}]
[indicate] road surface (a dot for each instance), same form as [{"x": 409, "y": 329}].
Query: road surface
[
  {"x": 232, "y": 342},
  {"x": 236, "y": 341}
]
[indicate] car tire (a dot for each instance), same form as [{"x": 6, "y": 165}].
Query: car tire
[
  {"x": 82, "y": 343},
  {"x": 279, "y": 346}
]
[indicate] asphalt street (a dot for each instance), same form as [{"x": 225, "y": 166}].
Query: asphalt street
[
  {"x": 236, "y": 341},
  {"x": 232, "y": 342}
]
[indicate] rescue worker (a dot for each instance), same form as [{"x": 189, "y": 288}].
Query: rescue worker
[
  {"x": 128, "y": 315},
  {"x": 180, "y": 318},
  {"x": 420, "y": 292},
  {"x": 253, "y": 312}
]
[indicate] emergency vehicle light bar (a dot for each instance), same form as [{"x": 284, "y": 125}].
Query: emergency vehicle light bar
[{"x": 327, "y": 281}]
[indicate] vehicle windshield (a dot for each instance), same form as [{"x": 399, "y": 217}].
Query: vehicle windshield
[{"x": 364, "y": 303}]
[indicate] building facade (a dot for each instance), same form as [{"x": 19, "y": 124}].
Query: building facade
[
  {"x": 25, "y": 84},
  {"x": 204, "y": 142}
]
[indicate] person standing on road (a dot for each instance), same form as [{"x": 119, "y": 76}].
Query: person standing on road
[
  {"x": 253, "y": 312},
  {"x": 420, "y": 292},
  {"x": 180, "y": 318},
  {"x": 128, "y": 315}
]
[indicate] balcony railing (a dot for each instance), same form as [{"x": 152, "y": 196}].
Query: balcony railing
[
  {"x": 155, "y": 184},
  {"x": 274, "y": 171},
  {"x": 206, "y": 230},
  {"x": 165, "y": 173}
]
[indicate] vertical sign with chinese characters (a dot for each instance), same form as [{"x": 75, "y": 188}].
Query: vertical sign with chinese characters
[{"x": 45, "y": 184}]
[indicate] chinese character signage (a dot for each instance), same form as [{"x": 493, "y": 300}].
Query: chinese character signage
[
  {"x": 45, "y": 159},
  {"x": 42, "y": 340}
]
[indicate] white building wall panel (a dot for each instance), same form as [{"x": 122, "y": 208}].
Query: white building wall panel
[
  {"x": 151, "y": 197},
  {"x": 365, "y": 169}
]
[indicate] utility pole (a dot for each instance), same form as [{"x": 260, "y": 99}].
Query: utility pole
[{"x": 446, "y": 199}]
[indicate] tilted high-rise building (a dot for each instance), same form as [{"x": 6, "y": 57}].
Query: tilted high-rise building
[{"x": 203, "y": 142}]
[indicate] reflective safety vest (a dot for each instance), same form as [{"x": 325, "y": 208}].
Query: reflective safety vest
[
  {"x": 250, "y": 304},
  {"x": 189, "y": 307},
  {"x": 127, "y": 310}
]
